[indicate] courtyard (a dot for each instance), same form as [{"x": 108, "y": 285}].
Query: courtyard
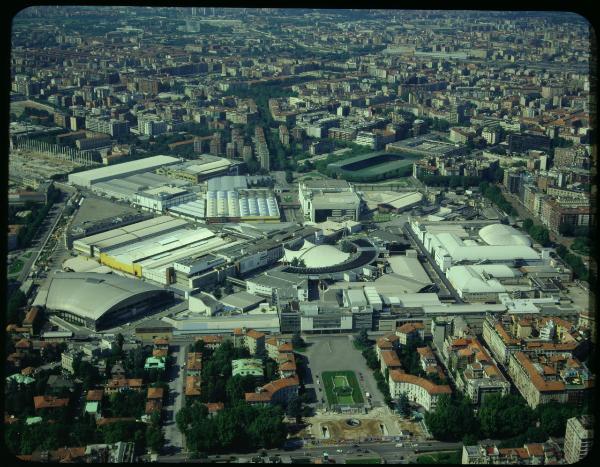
[{"x": 336, "y": 353}]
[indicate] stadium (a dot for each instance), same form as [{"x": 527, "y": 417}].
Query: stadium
[{"x": 373, "y": 165}]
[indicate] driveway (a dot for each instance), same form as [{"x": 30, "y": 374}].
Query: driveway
[{"x": 337, "y": 353}]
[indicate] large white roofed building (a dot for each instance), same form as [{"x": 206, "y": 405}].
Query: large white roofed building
[
  {"x": 495, "y": 243},
  {"x": 99, "y": 301},
  {"x": 90, "y": 177}
]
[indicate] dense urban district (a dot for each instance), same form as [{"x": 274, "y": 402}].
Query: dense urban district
[{"x": 300, "y": 236}]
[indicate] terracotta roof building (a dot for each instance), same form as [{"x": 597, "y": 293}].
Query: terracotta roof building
[
  {"x": 410, "y": 332},
  {"x": 121, "y": 384},
  {"x": 281, "y": 390},
  {"x": 541, "y": 378},
  {"x": 419, "y": 390},
  {"x": 49, "y": 402},
  {"x": 192, "y": 386}
]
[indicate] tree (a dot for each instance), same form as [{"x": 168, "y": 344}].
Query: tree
[
  {"x": 237, "y": 386},
  {"x": 289, "y": 176},
  {"x": 442, "y": 422},
  {"x": 504, "y": 416},
  {"x": 128, "y": 403},
  {"x": 403, "y": 405},
  {"x": 294, "y": 409},
  {"x": 155, "y": 438},
  {"x": 297, "y": 341},
  {"x": 553, "y": 417},
  {"x": 362, "y": 339},
  {"x": 346, "y": 247},
  {"x": 199, "y": 346}
]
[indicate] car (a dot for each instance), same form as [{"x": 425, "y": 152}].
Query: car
[
  {"x": 339, "y": 450},
  {"x": 399, "y": 445}
]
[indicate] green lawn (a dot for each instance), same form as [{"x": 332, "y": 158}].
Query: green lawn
[
  {"x": 371, "y": 460},
  {"x": 336, "y": 381}
]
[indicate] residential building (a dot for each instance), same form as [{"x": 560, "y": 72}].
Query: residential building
[
  {"x": 418, "y": 390},
  {"x": 579, "y": 438},
  {"x": 530, "y": 454}
]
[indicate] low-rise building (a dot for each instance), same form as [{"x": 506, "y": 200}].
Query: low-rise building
[
  {"x": 194, "y": 363},
  {"x": 49, "y": 402},
  {"x": 154, "y": 400},
  {"x": 530, "y": 454},
  {"x": 409, "y": 333},
  {"x": 123, "y": 384},
  {"x": 281, "y": 390},
  {"x": 247, "y": 367},
  {"x": 418, "y": 390},
  {"x": 192, "y": 386},
  {"x": 389, "y": 361}
]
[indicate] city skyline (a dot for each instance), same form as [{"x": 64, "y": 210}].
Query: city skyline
[{"x": 300, "y": 235}]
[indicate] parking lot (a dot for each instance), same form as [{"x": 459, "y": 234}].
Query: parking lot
[{"x": 337, "y": 353}]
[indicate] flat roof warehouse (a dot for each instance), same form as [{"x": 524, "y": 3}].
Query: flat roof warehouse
[{"x": 90, "y": 177}]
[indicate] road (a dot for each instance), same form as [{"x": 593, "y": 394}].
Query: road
[
  {"x": 54, "y": 218},
  {"x": 175, "y": 376},
  {"x": 387, "y": 450}
]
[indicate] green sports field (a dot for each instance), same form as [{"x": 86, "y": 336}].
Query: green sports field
[
  {"x": 380, "y": 163},
  {"x": 341, "y": 388}
]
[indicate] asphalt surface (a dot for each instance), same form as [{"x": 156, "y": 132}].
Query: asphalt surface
[
  {"x": 339, "y": 453},
  {"x": 333, "y": 353},
  {"x": 40, "y": 242},
  {"x": 175, "y": 376}
]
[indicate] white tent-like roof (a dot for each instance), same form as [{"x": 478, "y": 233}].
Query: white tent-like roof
[
  {"x": 457, "y": 249},
  {"x": 467, "y": 279},
  {"x": 501, "y": 234},
  {"x": 317, "y": 256}
]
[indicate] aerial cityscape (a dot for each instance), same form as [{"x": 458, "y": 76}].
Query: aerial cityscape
[{"x": 259, "y": 235}]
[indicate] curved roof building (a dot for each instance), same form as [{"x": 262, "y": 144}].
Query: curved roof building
[
  {"x": 317, "y": 256},
  {"x": 101, "y": 300},
  {"x": 501, "y": 234}
]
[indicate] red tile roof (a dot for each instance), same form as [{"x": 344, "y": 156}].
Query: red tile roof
[
  {"x": 94, "y": 395},
  {"x": 155, "y": 393},
  {"x": 49, "y": 402},
  {"x": 408, "y": 328},
  {"x": 255, "y": 334},
  {"x": 214, "y": 407},
  {"x": 192, "y": 386},
  {"x": 390, "y": 359},
  {"x": 153, "y": 405},
  {"x": 430, "y": 387}
]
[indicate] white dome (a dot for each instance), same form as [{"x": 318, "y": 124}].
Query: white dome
[
  {"x": 317, "y": 256},
  {"x": 501, "y": 234}
]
